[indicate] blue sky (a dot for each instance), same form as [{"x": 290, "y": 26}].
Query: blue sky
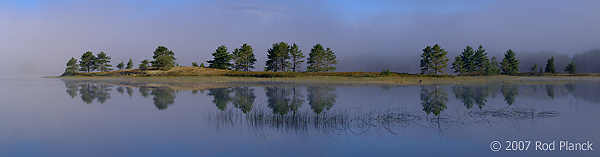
[{"x": 54, "y": 31}]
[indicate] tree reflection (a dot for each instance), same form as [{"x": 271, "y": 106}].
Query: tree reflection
[
  {"x": 320, "y": 98},
  {"x": 510, "y": 92},
  {"x": 550, "y": 90},
  {"x": 297, "y": 100},
  {"x": 129, "y": 91},
  {"x": 473, "y": 94},
  {"x": 570, "y": 87},
  {"x": 72, "y": 89},
  {"x": 144, "y": 91},
  {"x": 283, "y": 99},
  {"x": 278, "y": 99},
  {"x": 121, "y": 90},
  {"x": 243, "y": 98},
  {"x": 221, "y": 97},
  {"x": 434, "y": 99},
  {"x": 163, "y": 97},
  {"x": 89, "y": 92}
]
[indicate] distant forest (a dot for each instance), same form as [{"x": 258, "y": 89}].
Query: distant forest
[{"x": 586, "y": 62}]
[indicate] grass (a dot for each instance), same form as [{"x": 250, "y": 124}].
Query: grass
[
  {"x": 394, "y": 121},
  {"x": 189, "y": 77}
]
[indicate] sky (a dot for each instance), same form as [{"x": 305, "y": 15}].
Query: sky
[{"x": 39, "y": 37}]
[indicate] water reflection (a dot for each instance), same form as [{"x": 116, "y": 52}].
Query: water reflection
[
  {"x": 320, "y": 98},
  {"x": 510, "y": 92},
  {"x": 220, "y": 97},
  {"x": 72, "y": 89},
  {"x": 394, "y": 122},
  {"x": 89, "y": 92},
  {"x": 478, "y": 95},
  {"x": 163, "y": 97},
  {"x": 550, "y": 90},
  {"x": 470, "y": 95},
  {"x": 284, "y": 100},
  {"x": 434, "y": 99},
  {"x": 278, "y": 99},
  {"x": 144, "y": 91},
  {"x": 243, "y": 98}
]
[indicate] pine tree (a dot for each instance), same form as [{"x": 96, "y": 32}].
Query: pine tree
[
  {"x": 458, "y": 65},
  {"x": 550, "y": 66},
  {"x": 434, "y": 60},
  {"x": 87, "y": 62},
  {"x": 493, "y": 67},
  {"x": 278, "y": 57},
  {"x": 202, "y": 65},
  {"x": 296, "y": 56},
  {"x": 464, "y": 63},
  {"x": 120, "y": 65},
  {"x": 102, "y": 61},
  {"x": 426, "y": 60},
  {"x": 571, "y": 68},
  {"x": 480, "y": 59},
  {"x": 221, "y": 58},
  {"x": 71, "y": 67},
  {"x": 144, "y": 65},
  {"x": 163, "y": 58},
  {"x": 533, "y": 68},
  {"x": 244, "y": 58},
  {"x": 129, "y": 64},
  {"x": 510, "y": 64},
  {"x": 330, "y": 60}
]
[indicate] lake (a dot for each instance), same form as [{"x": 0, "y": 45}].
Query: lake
[{"x": 72, "y": 117}]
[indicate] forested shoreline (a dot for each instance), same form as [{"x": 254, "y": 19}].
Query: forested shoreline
[{"x": 288, "y": 59}]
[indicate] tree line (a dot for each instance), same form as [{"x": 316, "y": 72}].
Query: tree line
[
  {"x": 282, "y": 57},
  {"x": 434, "y": 61}
]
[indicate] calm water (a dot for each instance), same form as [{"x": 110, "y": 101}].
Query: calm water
[{"x": 54, "y": 117}]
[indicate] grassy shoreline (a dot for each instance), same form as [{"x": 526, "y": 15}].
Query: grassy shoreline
[{"x": 189, "y": 76}]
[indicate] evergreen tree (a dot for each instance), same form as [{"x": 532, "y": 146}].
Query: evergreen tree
[
  {"x": 316, "y": 59},
  {"x": 571, "y": 68},
  {"x": 550, "y": 66},
  {"x": 71, "y": 67},
  {"x": 480, "y": 59},
  {"x": 493, "y": 67},
  {"x": 434, "y": 60},
  {"x": 458, "y": 65},
  {"x": 244, "y": 58},
  {"x": 533, "y": 68},
  {"x": 330, "y": 60},
  {"x": 510, "y": 64},
  {"x": 221, "y": 58},
  {"x": 121, "y": 65},
  {"x": 87, "y": 62},
  {"x": 277, "y": 57},
  {"x": 202, "y": 65},
  {"x": 464, "y": 63},
  {"x": 129, "y": 64},
  {"x": 321, "y": 59},
  {"x": 296, "y": 56},
  {"x": 426, "y": 60},
  {"x": 163, "y": 58},
  {"x": 102, "y": 61},
  {"x": 144, "y": 65}
]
